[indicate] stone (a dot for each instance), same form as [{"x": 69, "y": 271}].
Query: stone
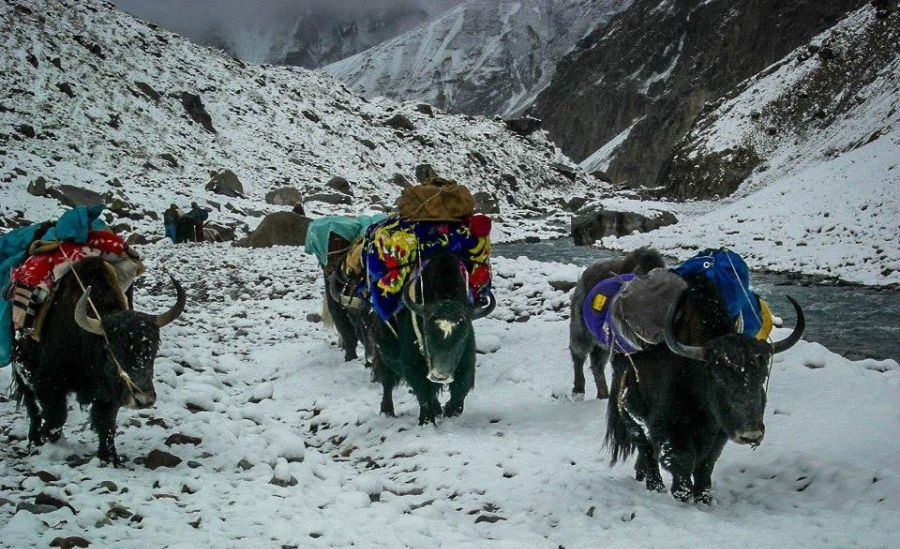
[
  {"x": 226, "y": 233},
  {"x": 38, "y": 187},
  {"x": 137, "y": 239},
  {"x": 601, "y": 175},
  {"x": 329, "y": 198},
  {"x": 566, "y": 170},
  {"x": 147, "y": 90},
  {"x": 575, "y": 203},
  {"x": 486, "y": 203},
  {"x": 69, "y": 542},
  {"x": 425, "y": 108},
  {"x": 400, "y": 180},
  {"x": 158, "y": 458},
  {"x": 532, "y": 239},
  {"x": 284, "y": 196},
  {"x": 510, "y": 180},
  {"x": 424, "y": 171},
  {"x": 523, "y": 126},
  {"x": 66, "y": 88},
  {"x": 70, "y": 195},
  {"x": 277, "y": 229},
  {"x": 314, "y": 318},
  {"x": 226, "y": 183},
  {"x": 400, "y": 122},
  {"x": 47, "y": 499},
  {"x": 26, "y": 130},
  {"x": 311, "y": 116},
  {"x": 181, "y": 438},
  {"x": 562, "y": 285},
  {"x": 589, "y": 227},
  {"x": 339, "y": 184},
  {"x": 193, "y": 106},
  {"x": 170, "y": 159}
]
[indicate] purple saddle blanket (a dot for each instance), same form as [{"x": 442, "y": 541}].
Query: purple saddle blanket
[{"x": 598, "y": 317}]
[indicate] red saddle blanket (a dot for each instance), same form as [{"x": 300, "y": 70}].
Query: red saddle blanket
[{"x": 45, "y": 269}]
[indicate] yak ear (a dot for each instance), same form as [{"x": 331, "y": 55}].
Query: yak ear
[{"x": 83, "y": 321}]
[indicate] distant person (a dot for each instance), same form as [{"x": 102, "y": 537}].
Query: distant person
[
  {"x": 198, "y": 215},
  {"x": 298, "y": 209},
  {"x": 170, "y": 221}
]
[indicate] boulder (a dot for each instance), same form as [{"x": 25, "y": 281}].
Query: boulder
[
  {"x": 226, "y": 233},
  {"x": 524, "y": 126},
  {"x": 593, "y": 225},
  {"x": 148, "y": 90},
  {"x": 226, "y": 183},
  {"x": 285, "y": 196},
  {"x": 329, "y": 198},
  {"x": 339, "y": 184},
  {"x": 424, "y": 171},
  {"x": 400, "y": 180},
  {"x": 575, "y": 203},
  {"x": 277, "y": 229},
  {"x": 425, "y": 108},
  {"x": 486, "y": 203},
  {"x": 38, "y": 187},
  {"x": 568, "y": 171},
  {"x": 400, "y": 122},
  {"x": 70, "y": 195},
  {"x": 193, "y": 106},
  {"x": 601, "y": 175}
]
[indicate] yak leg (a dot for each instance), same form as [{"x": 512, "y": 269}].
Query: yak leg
[
  {"x": 388, "y": 380},
  {"x": 426, "y": 394},
  {"x": 703, "y": 472},
  {"x": 344, "y": 327},
  {"x": 34, "y": 413},
  {"x": 103, "y": 422},
  {"x": 460, "y": 387},
  {"x": 598, "y": 360},
  {"x": 53, "y": 409},
  {"x": 578, "y": 357},
  {"x": 646, "y": 468},
  {"x": 680, "y": 463}
]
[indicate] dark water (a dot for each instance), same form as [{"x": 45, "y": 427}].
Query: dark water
[{"x": 857, "y": 322}]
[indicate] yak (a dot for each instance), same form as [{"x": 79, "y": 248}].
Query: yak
[
  {"x": 350, "y": 315},
  {"x": 581, "y": 342},
  {"x": 431, "y": 341},
  {"x": 677, "y": 403},
  {"x": 107, "y": 361}
]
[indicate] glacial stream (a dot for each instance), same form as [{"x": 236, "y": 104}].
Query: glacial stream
[{"x": 855, "y": 321}]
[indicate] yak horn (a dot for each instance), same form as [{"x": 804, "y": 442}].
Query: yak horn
[
  {"x": 485, "y": 310},
  {"x": 176, "y": 310},
  {"x": 789, "y": 341},
  {"x": 83, "y": 321},
  {"x": 695, "y": 353},
  {"x": 410, "y": 301}
]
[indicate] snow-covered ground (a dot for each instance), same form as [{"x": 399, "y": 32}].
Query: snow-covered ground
[{"x": 265, "y": 390}]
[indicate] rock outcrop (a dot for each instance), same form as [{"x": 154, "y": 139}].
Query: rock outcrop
[
  {"x": 589, "y": 227},
  {"x": 277, "y": 229}
]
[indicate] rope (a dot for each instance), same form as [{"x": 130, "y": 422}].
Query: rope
[{"x": 121, "y": 371}]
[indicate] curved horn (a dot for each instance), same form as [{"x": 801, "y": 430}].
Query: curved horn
[
  {"x": 695, "y": 353},
  {"x": 410, "y": 302},
  {"x": 83, "y": 321},
  {"x": 485, "y": 310},
  {"x": 176, "y": 310},
  {"x": 789, "y": 341}
]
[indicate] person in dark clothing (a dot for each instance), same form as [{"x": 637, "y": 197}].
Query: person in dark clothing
[
  {"x": 170, "y": 221},
  {"x": 298, "y": 209},
  {"x": 198, "y": 215}
]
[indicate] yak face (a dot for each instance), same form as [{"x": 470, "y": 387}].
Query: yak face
[
  {"x": 446, "y": 334},
  {"x": 134, "y": 341},
  {"x": 739, "y": 368}
]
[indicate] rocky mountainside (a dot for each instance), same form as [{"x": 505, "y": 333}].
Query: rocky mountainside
[
  {"x": 482, "y": 57},
  {"x": 309, "y": 34},
  {"x": 97, "y": 100},
  {"x": 622, "y": 100}
]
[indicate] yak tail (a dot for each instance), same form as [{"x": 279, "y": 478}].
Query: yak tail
[
  {"x": 617, "y": 439},
  {"x": 327, "y": 319},
  {"x": 15, "y": 389}
]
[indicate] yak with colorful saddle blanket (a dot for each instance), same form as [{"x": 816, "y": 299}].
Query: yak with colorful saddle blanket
[
  {"x": 626, "y": 312},
  {"x": 396, "y": 248}
]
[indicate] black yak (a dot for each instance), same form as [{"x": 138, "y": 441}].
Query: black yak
[
  {"x": 677, "y": 403},
  {"x": 430, "y": 342},
  {"x": 581, "y": 342},
  {"x": 106, "y": 362}
]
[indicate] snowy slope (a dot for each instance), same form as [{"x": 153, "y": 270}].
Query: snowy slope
[
  {"x": 263, "y": 389},
  {"x": 274, "y": 126},
  {"x": 812, "y": 145},
  {"x": 482, "y": 57}
]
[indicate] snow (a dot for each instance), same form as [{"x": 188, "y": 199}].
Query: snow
[
  {"x": 520, "y": 467},
  {"x": 600, "y": 159}
]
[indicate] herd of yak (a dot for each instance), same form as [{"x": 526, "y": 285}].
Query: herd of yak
[{"x": 675, "y": 403}]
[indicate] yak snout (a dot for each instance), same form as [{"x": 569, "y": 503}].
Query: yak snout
[
  {"x": 141, "y": 400},
  {"x": 753, "y": 436}
]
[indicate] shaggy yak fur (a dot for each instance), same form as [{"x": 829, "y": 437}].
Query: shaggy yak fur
[
  {"x": 70, "y": 359},
  {"x": 581, "y": 341},
  {"x": 349, "y": 320},
  {"x": 443, "y": 317},
  {"x": 678, "y": 403}
]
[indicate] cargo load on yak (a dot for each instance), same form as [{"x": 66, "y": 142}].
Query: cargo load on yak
[
  {"x": 395, "y": 250},
  {"x": 35, "y": 258},
  {"x": 626, "y": 312},
  {"x": 436, "y": 199}
]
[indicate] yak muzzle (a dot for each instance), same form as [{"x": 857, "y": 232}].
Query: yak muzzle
[
  {"x": 437, "y": 377},
  {"x": 138, "y": 401},
  {"x": 752, "y": 437}
]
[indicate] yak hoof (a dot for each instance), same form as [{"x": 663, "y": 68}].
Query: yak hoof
[
  {"x": 452, "y": 410},
  {"x": 656, "y": 485},
  {"x": 349, "y": 355},
  {"x": 578, "y": 396},
  {"x": 601, "y": 394},
  {"x": 703, "y": 498}
]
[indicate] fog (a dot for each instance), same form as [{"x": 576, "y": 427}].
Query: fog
[{"x": 258, "y": 30}]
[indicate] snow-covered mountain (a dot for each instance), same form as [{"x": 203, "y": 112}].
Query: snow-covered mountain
[
  {"x": 309, "y": 34},
  {"x": 811, "y": 146},
  {"x": 97, "y": 99},
  {"x": 482, "y": 57}
]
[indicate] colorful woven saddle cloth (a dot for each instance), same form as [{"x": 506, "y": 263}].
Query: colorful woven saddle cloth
[{"x": 395, "y": 248}]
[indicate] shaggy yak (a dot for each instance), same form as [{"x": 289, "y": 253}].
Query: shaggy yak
[
  {"x": 107, "y": 363},
  {"x": 581, "y": 341},
  {"x": 679, "y": 402},
  {"x": 349, "y": 315},
  {"x": 430, "y": 342}
]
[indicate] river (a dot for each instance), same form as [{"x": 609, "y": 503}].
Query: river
[{"x": 855, "y": 321}]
